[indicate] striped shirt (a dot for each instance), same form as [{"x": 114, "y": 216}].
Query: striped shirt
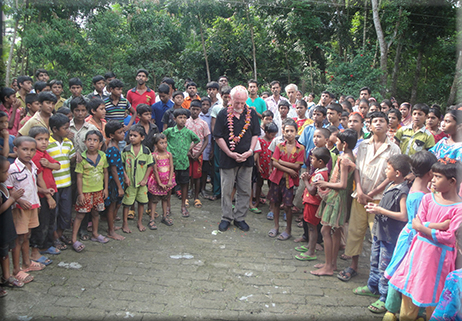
[
  {"x": 116, "y": 112},
  {"x": 62, "y": 152}
]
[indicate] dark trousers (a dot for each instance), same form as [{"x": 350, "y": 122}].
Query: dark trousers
[
  {"x": 42, "y": 236},
  {"x": 216, "y": 170}
]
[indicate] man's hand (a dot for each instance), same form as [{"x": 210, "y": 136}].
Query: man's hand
[
  {"x": 70, "y": 135},
  {"x": 363, "y": 198}
]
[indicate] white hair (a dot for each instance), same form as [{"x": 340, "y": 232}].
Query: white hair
[
  {"x": 239, "y": 90},
  {"x": 291, "y": 85}
]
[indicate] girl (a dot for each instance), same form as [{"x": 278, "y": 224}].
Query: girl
[
  {"x": 161, "y": 181},
  {"x": 406, "y": 114},
  {"x": 433, "y": 124},
  {"x": 420, "y": 276},
  {"x": 450, "y": 146},
  {"x": 336, "y": 200},
  {"x": 114, "y": 130},
  {"x": 264, "y": 159},
  {"x": 7, "y": 229},
  {"x": 355, "y": 122}
]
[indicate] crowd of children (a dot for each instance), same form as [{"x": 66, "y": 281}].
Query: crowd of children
[{"x": 338, "y": 167}]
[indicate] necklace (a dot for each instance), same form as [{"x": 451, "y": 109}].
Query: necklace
[{"x": 234, "y": 140}]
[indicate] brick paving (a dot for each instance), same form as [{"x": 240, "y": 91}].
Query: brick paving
[{"x": 186, "y": 272}]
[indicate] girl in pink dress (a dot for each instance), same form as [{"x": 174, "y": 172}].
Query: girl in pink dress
[
  {"x": 431, "y": 257},
  {"x": 161, "y": 181}
]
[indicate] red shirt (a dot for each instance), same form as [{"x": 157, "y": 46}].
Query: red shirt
[
  {"x": 296, "y": 156},
  {"x": 47, "y": 173},
  {"x": 148, "y": 97},
  {"x": 14, "y": 130}
]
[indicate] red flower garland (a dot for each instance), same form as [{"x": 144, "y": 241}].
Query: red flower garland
[{"x": 234, "y": 140}]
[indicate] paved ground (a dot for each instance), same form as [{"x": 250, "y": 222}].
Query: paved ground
[{"x": 187, "y": 272}]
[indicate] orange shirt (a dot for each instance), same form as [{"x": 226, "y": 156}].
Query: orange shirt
[
  {"x": 187, "y": 101},
  {"x": 101, "y": 128}
]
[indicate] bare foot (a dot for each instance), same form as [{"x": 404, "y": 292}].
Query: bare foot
[
  {"x": 115, "y": 236},
  {"x": 141, "y": 227},
  {"x": 299, "y": 239},
  {"x": 319, "y": 247},
  {"x": 116, "y": 228},
  {"x": 125, "y": 229},
  {"x": 322, "y": 272},
  {"x": 321, "y": 266}
]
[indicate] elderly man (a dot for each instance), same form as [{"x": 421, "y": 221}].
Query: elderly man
[{"x": 236, "y": 132}]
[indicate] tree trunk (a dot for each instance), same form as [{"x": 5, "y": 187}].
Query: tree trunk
[
  {"x": 383, "y": 45},
  {"x": 254, "y": 51},
  {"x": 456, "y": 83},
  {"x": 418, "y": 68},
  {"x": 10, "y": 57},
  {"x": 205, "y": 50},
  {"x": 394, "y": 77},
  {"x": 365, "y": 22}
]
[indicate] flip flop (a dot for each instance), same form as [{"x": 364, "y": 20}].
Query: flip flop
[
  {"x": 85, "y": 237},
  {"x": 284, "y": 236},
  {"x": 255, "y": 210},
  {"x": 301, "y": 248},
  {"x": 11, "y": 282},
  {"x": 34, "y": 266},
  {"x": 342, "y": 275},
  {"x": 78, "y": 246},
  {"x": 270, "y": 216},
  {"x": 377, "y": 307},
  {"x": 364, "y": 290},
  {"x": 65, "y": 240},
  {"x": 273, "y": 232},
  {"x": 51, "y": 250},
  {"x": 3, "y": 292},
  {"x": 186, "y": 203},
  {"x": 197, "y": 203},
  {"x": 100, "y": 239},
  {"x": 24, "y": 277},
  {"x": 59, "y": 245},
  {"x": 305, "y": 257},
  {"x": 44, "y": 260},
  {"x": 131, "y": 215}
]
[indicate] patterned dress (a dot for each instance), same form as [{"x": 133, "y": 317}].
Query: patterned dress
[
  {"x": 334, "y": 207},
  {"x": 450, "y": 305},
  {"x": 163, "y": 170},
  {"x": 265, "y": 158},
  {"x": 114, "y": 159}
]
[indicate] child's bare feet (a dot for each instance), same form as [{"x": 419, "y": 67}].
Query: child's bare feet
[
  {"x": 319, "y": 247},
  {"x": 116, "y": 228},
  {"x": 125, "y": 229},
  {"x": 300, "y": 239},
  {"x": 141, "y": 227},
  {"x": 321, "y": 266},
  {"x": 323, "y": 272},
  {"x": 115, "y": 236}
]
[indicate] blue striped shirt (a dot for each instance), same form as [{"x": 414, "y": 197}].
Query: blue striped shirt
[{"x": 116, "y": 112}]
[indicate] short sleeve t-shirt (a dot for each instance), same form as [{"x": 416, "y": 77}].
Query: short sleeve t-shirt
[
  {"x": 47, "y": 173},
  {"x": 136, "y": 165},
  {"x": 411, "y": 142},
  {"x": 92, "y": 172},
  {"x": 179, "y": 142},
  {"x": 116, "y": 112},
  {"x": 62, "y": 152},
  {"x": 115, "y": 159}
]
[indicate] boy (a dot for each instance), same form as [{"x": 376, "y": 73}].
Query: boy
[
  {"x": 138, "y": 161},
  {"x": 344, "y": 119},
  {"x": 334, "y": 112},
  {"x": 98, "y": 83},
  {"x": 167, "y": 119},
  {"x": 25, "y": 86},
  {"x": 301, "y": 107},
  {"x": 283, "y": 108},
  {"x": 390, "y": 218},
  {"x": 92, "y": 188},
  {"x": 179, "y": 141},
  {"x": 202, "y": 130},
  {"x": 253, "y": 101},
  {"x": 267, "y": 117},
  {"x": 75, "y": 86},
  {"x": 23, "y": 176},
  {"x": 415, "y": 137},
  {"x": 57, "y": 89},
  {"x": 42, "y": 237},
  {"x": 97, "y": 110},
  {"x": 12, "y": 106},
  {"x": 164, "y": 104},
  {"x": 141, "y": 94},
  {"x": 394, "y": 120},
  {"x": 32, "y": 106},
  {"x": 78, "y": 126},
  {"x": 47, "y": 104},
  {"x": 116, "y": 105},
  {"x": 286, "y": 161},
  {"x": 206, "y": 115},
  {"x": 330, "y": 144},
  {"x": 62, "y": 150},
  {"x": 319, "y": 159},
  {"x": 370, "y": 180},
  {"x": 40, "y": 86},
  {"x": 144, "y": 113},
  {"x": 191, "y": 89}
]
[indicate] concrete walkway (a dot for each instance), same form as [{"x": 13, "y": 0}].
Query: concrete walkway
[{"x": 189, "y": 271}]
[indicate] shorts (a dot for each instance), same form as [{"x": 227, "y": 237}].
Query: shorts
[
  {"x": 279, "y": 193},
  {"x": 182, "y": 176},
  {"x": 309, "y": 214},
  {"x": 206, "y": 168},
  {"x": 5, "y": 248},
  {"x": 157, "y": 198},
  {"x": 132, "y": 194},
  {"x": 195, "y": 168},
  {"x": 92, "y": 201},
  {"x": 25, "y": 220}
]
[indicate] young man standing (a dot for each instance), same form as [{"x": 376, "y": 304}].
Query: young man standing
[
  {"x": 117, "y": 106},
  {"x": 25, "y": 86},
  {"x": 141, "y": 94},
  {"x": 57, "y": 89},
  {"x": 191, "y": 88},
  {"x": 159, "y": 108},
  {"x": 255, "y": 102},
  {"x": 272, "y": 102},
  {"x": 76, "y": 87},
  {"x": 98, "y": 83}
]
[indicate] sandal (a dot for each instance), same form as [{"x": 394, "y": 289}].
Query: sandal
[
  {"x": 148, "y": 211},
  {"x": 59, "y": 245},
  {"x": 185, "y": 212},
  {"x": 186, "y": 203},
  {"x": 305, "y": 257},
  {"x": 131, "y": 215},
  {"x": 212, "y": 197},
  {"x": 178, "y": 194},
  {"x": 11, "y": 282},
  {"x": 262, "y": 201},
  {"x": 65, "y": 240},
  {"x": 300, "y": 224},
  {"x": 90, "y": 227},
  {"x": 34, "y": 266},
  {"x": 273, "y": 232},
  {"x": 84, "y": 237},
  {"x": 3, "y": 292},
  {"x": 197, "y": 203},
  {"x": 152, "y": 225},
  {"x": 284, "y": 236},
  {"x": 364, "y": 290},
  {"x": 301, "y": 248},
  {"x": 167, "y": 221},
  {"x": 43, "y": 260},
  {"x": 78, "y": 247},
  {"x": 377, "y": 307},
  {"x": 51, "y": 250},
  {"x": 100, "y": 239},
  {"x": 24, "y": 277},
  {"x": 345, "y": 257},
  {"x": 255, "y": 210},
  {"x": 270, "y": 216},
  {"x": 347, "y": 274}
]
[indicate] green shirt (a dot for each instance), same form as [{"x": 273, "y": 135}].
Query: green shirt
[
  {"x": 92, "y": 173},
  {"x": 179, "y": 142},
  {"x": 259, "y": 104},
  {"x": 136, "y": 166},
  {"x": 411, "y": 142}
]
